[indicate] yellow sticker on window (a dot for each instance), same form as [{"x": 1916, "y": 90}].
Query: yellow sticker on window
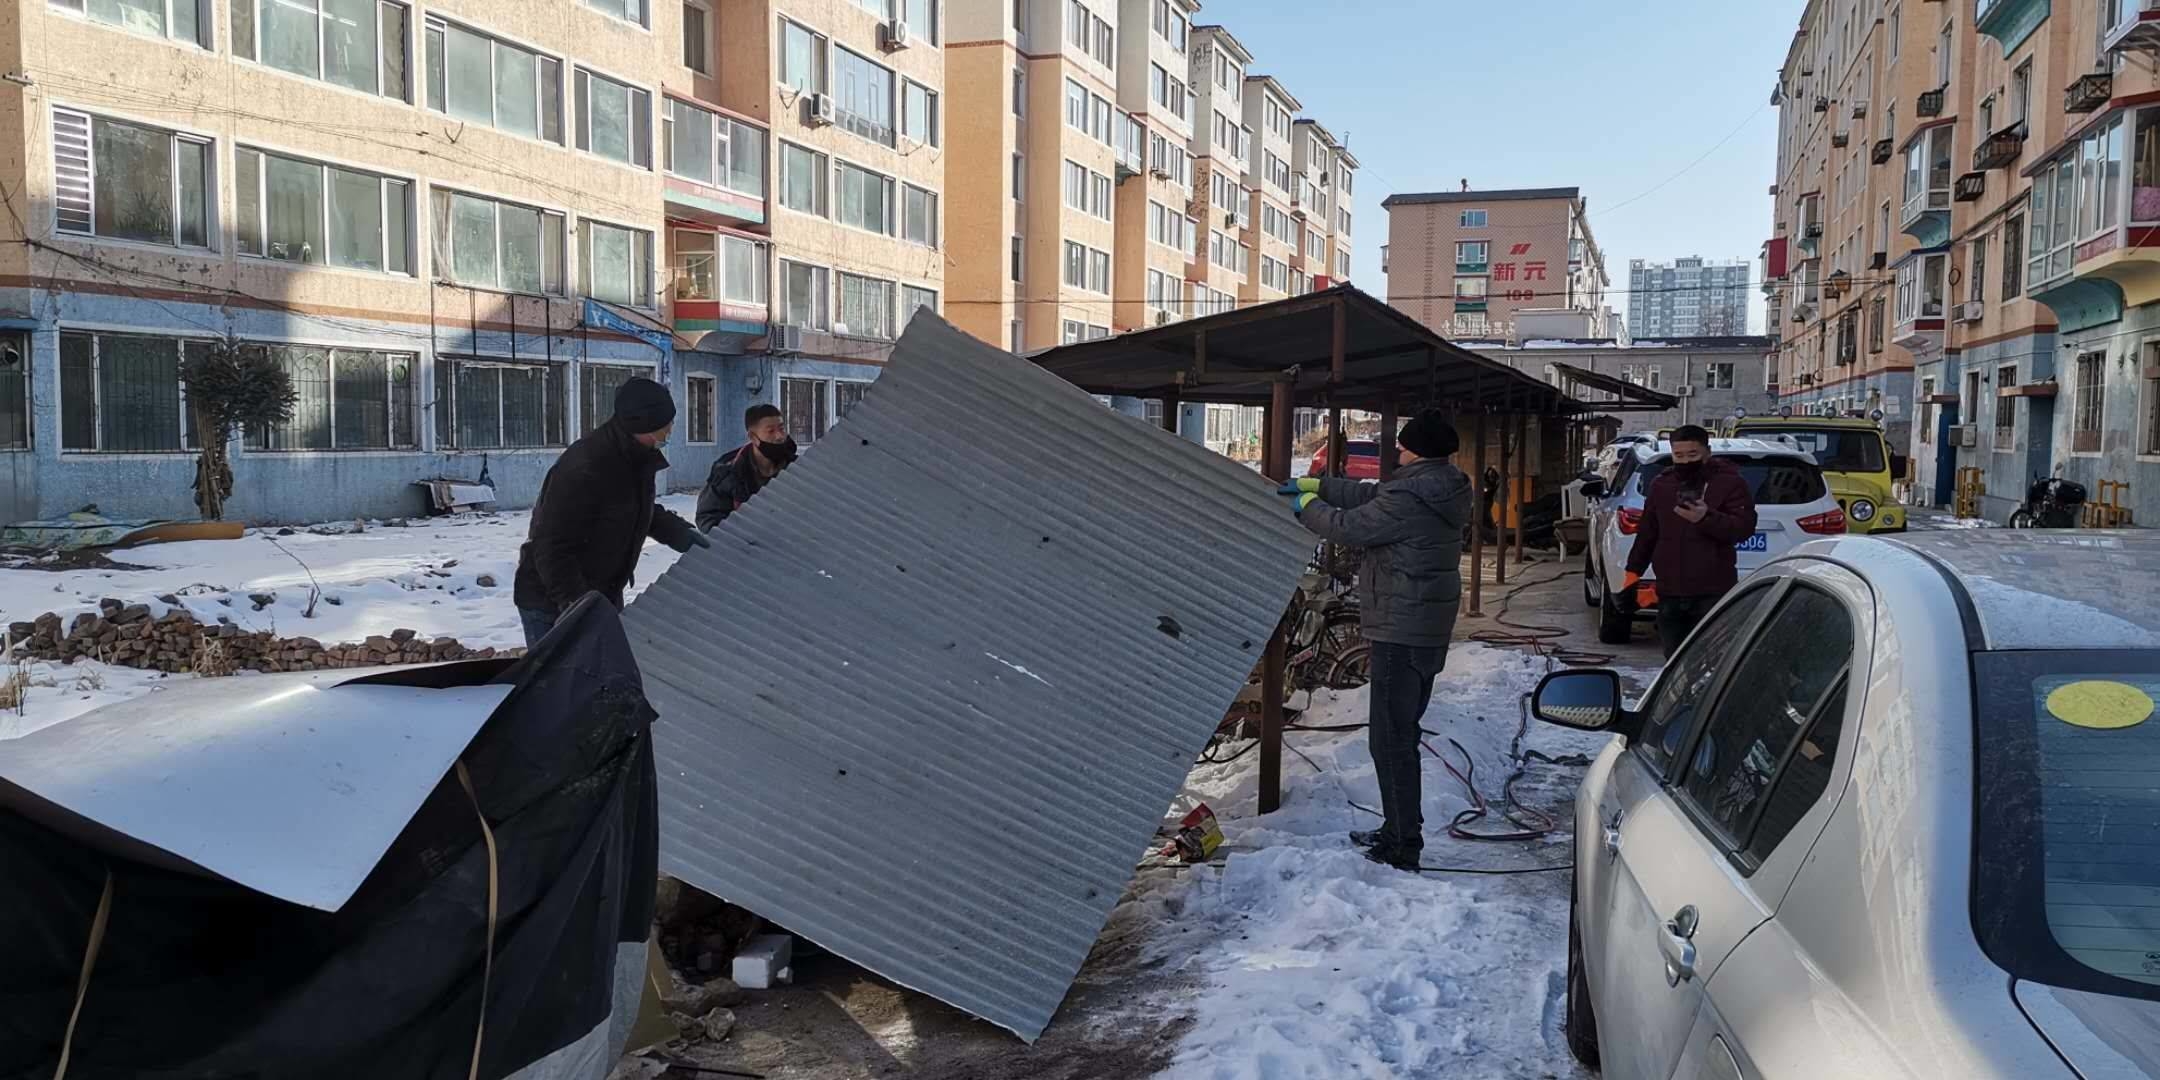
[{"x": 2102, "y": 706}]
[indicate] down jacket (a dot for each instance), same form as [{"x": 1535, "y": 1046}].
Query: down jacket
[{"x": 1412, "y": 527}]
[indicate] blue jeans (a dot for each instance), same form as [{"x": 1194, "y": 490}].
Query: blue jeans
[
  {"x": 1401, "y": 689},
  {"x": 537, "y": 623}
]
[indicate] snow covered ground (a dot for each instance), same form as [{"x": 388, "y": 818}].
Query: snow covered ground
[
  {"x": 437, "y": 577},
  {"x": 1317, "y": 964}
]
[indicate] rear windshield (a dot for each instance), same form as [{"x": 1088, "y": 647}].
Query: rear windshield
[
  {"x": 1775, "y": 481},
  {"x": 2067, "y": 828},
  {"x": 1363, "y": 449},
  {"x": 1849, "y": 451}
]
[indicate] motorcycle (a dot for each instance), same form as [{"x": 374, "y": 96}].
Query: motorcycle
[{"x": 2050, "y": 503}]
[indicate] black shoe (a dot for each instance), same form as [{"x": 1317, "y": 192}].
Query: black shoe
[
  {"x": 1397, "y": 856},
  {"x": 1364, "y": 838}
]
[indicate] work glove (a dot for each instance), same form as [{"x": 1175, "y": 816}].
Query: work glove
[
  {"x": 1303, "y": 485},
  {"x": 1302, "y": 500},
  {"x": 696, "y": 539}
]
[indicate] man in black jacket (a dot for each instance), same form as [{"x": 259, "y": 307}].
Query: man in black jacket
[
  {"x": 596, "y": 510},
  {"x": 746, "y": 470},
  {"x": 1409, "y": 585}
]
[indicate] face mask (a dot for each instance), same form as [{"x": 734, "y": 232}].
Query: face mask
[
  {"x": 779, "y": 453},
  {"x": 662, "y": 442}
]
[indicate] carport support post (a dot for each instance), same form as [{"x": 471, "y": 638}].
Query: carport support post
[
  {"x": 1500, "y": 503},
  {"x": 1173, "y": 403},
  {"x": 1477, "y": 499},
  {"x": 1274, "y": 663},
  {"x": 1387, "y": 439},
  {"x": 1522, "y": 478}
]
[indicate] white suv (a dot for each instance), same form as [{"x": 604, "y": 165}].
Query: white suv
[{"x": 1793, "y": 505}]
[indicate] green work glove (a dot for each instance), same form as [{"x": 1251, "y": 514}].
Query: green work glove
[
  {"x": 1304, "y": 485},
  {"x": 1303, "y": 500}
]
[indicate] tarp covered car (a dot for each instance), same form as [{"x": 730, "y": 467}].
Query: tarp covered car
[{"x": 289, "y": 876}]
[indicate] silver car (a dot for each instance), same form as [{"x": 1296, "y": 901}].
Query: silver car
[{"x": 1892, "y": 811}]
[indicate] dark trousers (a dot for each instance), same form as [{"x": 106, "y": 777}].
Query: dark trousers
[
  {"x": 1402, "y": 681},
  {"x": 1677, "y": 617},
  {"x": 537, "y": 623}
]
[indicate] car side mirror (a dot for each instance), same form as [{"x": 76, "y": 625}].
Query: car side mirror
[
  {"x": 1583, "y": 700},
  {"x": 1593, "y": 488}
]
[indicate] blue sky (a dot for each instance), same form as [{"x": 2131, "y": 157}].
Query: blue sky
[{"x": 1545, "y": 93}]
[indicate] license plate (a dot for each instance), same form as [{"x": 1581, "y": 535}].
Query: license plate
[{"x": 1757, "y": 542}]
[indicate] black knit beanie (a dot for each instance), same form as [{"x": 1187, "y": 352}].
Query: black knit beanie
[
  {"x": 1430, "y": 434},
  {"x": 644, "y": 406}
]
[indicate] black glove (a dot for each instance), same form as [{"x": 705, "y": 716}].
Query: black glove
[{"x": 693, "y": 538}]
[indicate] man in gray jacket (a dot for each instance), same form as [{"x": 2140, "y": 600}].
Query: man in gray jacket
[{"x": 1408, "y": 587}]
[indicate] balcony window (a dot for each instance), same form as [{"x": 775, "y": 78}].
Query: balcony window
[
  {"x": 2145, "y": 169},
  {"x": 359, "y": 44},
  {"x": 302, "y": 212},
  {"x": 1470, "y": 288},
  {"x": 1470, "y": 253},
  {"x": 866, "y": 307},
  {"x": 1927, "y": 173},
  {"x": 130, "y": 182},
  {"x": 1471, "y": 219},
  {"x": 806, "y": 295},
  {"x": 617, "y": 263},
  {"x": 1920, "y": 288},
  {"x": 631, "y": 11},
  {"x": 863, "y": 93},
  {"x": 475, "y": 78},
  {"x": 180, "y": 20},
  {"x": 497, "y": 245},
  {"x": 712, "y": 149},
  {"x": 614, "y": 120},
  {"x": 715, "y": 267}
]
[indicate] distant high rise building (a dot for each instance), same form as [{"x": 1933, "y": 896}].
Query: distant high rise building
[{"x": 1688, "y": 298}]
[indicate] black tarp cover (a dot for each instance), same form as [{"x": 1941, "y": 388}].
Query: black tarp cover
[{"x": 198, "y": 977}]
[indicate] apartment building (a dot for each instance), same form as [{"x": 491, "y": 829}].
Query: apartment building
[
  {"x": 1690, "y": 297},
  {"x": 1270, "y": 230},
  {"x": 852, "y": 93},
  {"x": 442, "y": 217},
  {"x": 1222, "y": 150},
  {"x": 1155, "y": 233},
  {"x": 1464, "y": 262},
  {"x": 2014, "y": 145},
  {"x": 1322, "y": 168}
]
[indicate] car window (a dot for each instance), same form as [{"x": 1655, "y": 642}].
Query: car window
[
  {"x": 1623, "y": 468},
  {"x": 1805, "y": 777},
  {"x": 1775, "y": 481},
  {"x": 1691, "y": 675},
  {"x": 1788, "y": 671},
  {"x": 2067, "y": 886},
  {"x": 1364, "y": 449},
  {"x": 1854, "y": 450}
]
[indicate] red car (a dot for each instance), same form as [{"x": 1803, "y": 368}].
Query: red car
[{"x": 1362, "y": 462}]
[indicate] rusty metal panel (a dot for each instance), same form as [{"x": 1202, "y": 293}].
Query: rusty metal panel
[{"x": 929, "y": 694}]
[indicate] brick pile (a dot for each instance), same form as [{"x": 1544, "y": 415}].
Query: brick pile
[{"x": 129, "y": 635}]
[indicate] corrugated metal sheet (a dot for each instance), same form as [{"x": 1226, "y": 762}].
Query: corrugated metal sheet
[{"x": 930, "y": 693}]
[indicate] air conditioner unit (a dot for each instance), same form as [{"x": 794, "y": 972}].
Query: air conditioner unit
[
  {"x": 1971, "y": 311},
  {"x": 784, "y": 339},
  {"x": 1159, "y": 173},
  {"x": 1684, "y": 391},
  {"x": 893, "y": 36},
  {"x": 1230, "y": 219},
  {"x": 1162, "y": 318},
  {"x": 1965, "y": 436},
  {"x": 820, "y": 111}
]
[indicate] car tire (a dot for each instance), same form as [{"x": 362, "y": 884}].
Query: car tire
[
  {"x": 1615, "y": 626},
  {"x": 1590, "y": 586},
  {"x": 1578, "y": 1019},
  {"x": 2023, "y": 519}
]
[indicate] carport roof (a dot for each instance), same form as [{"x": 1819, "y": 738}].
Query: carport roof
[
  {"x": 1629, "y": 397},
  {"x": 1234, "y": 358}
]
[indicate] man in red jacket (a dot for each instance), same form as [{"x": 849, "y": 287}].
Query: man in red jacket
[{"x": 1697, "y": 511}]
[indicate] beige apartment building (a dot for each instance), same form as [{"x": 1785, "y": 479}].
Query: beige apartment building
[
  {"x": 1323, "y": 172},
  {"x": 441, "y": 217},
  {"x": 852, "y": 94},
  {"x": 1222, "y": 150},
  {"x": 1272, "y": 231},
  {"x": 2011, "y": 321},
  {"x": 1465, "y": 262},
  {"x": 1155, "y": 234}
]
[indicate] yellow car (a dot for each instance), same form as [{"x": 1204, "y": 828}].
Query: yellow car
[{"x": 1853, "y": 457}]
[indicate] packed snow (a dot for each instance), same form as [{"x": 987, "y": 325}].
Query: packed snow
[
  {"x": 1316, "y": 964},
  {"x": 338, "y": 583}
]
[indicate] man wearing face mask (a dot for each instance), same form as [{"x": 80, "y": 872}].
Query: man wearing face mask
[
  {"x": 1696, "y": 512},
  {"x": 596, "y": 509},
  {"x": 748, "y": 469}
]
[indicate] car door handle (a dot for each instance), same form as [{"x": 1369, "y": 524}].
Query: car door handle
[
  {"x": 1612, "y": 833},
  {"x": 1677, "y": 942}
]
